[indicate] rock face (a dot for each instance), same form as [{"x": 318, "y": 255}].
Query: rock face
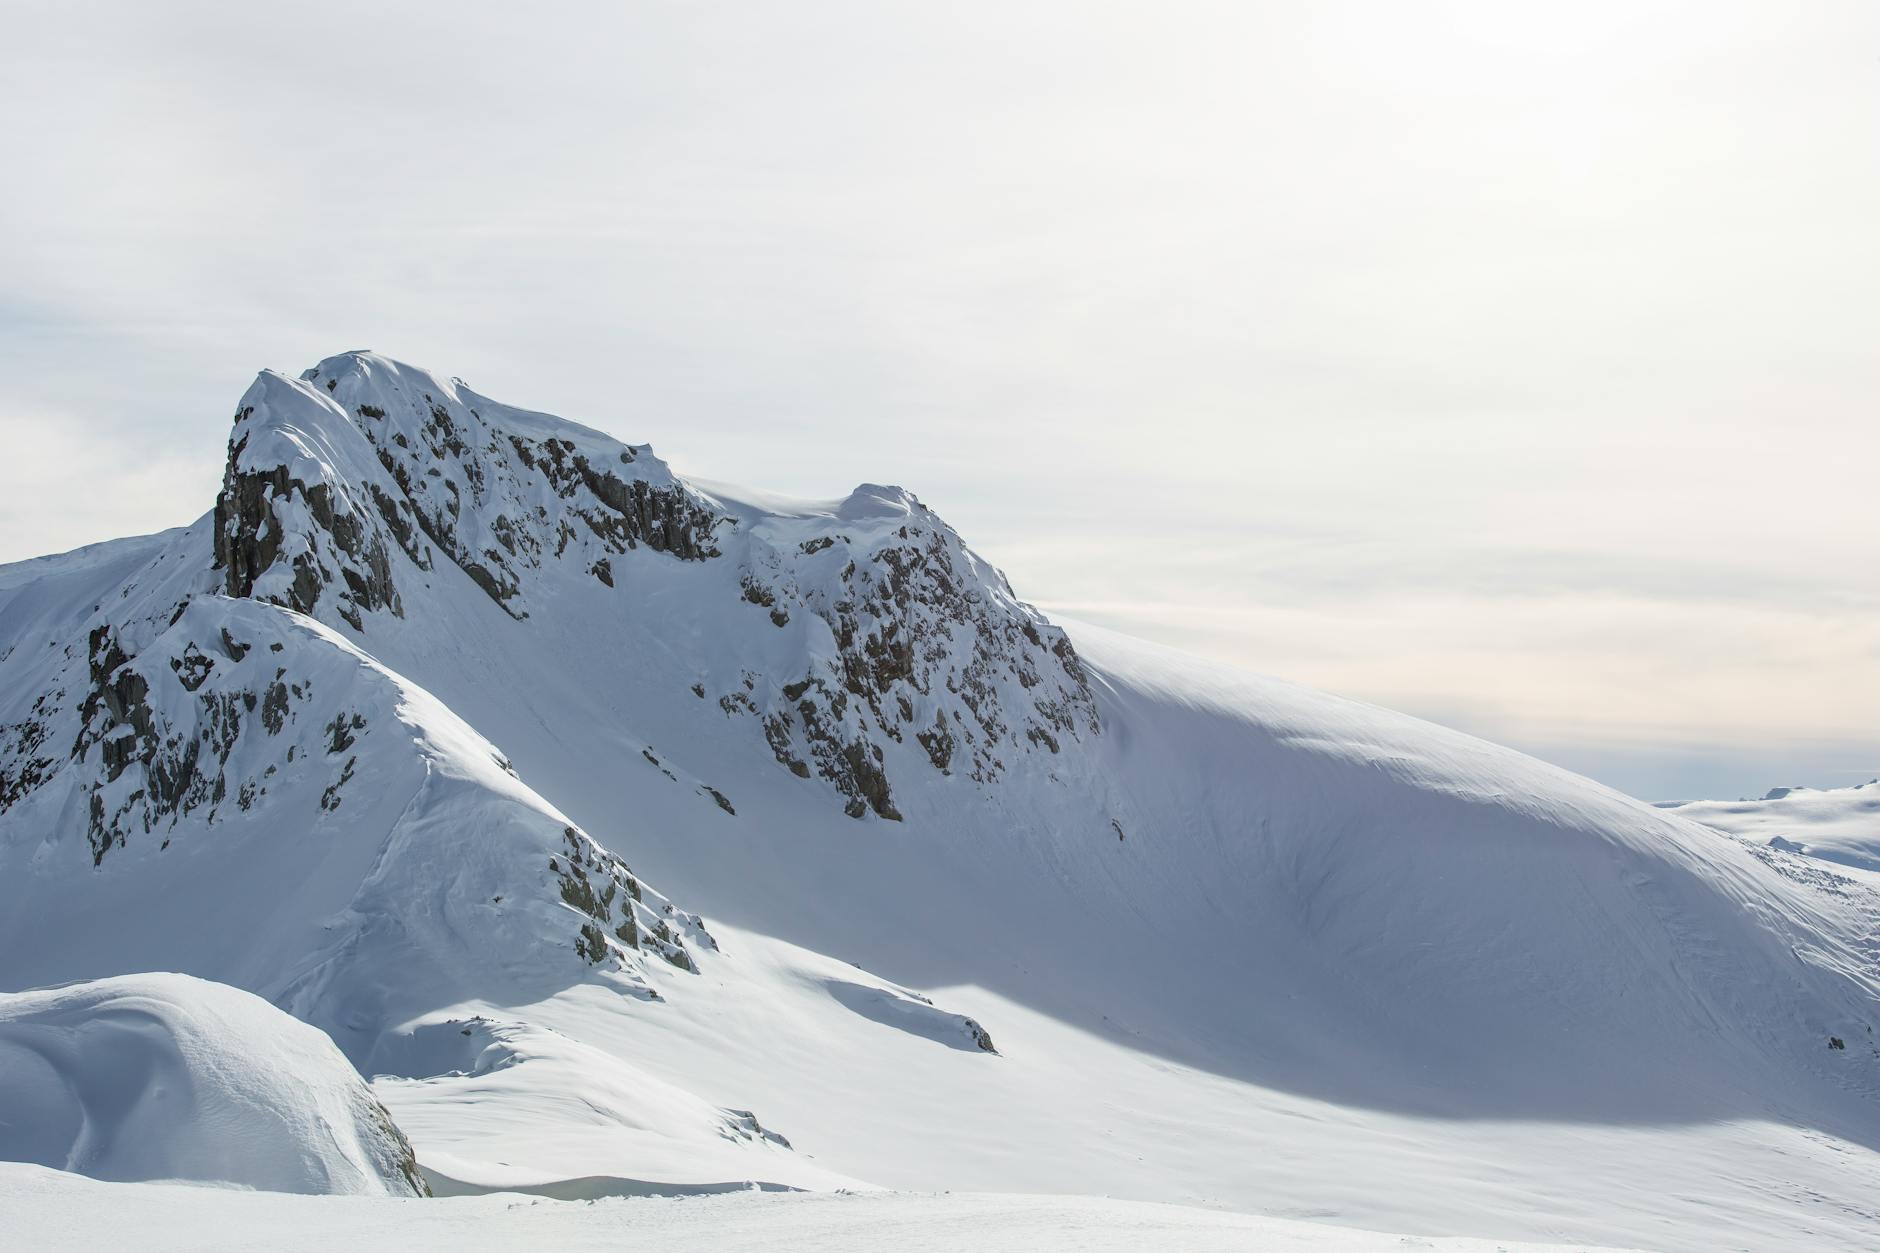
[
  {"x": 329, "y": 472},
  {"x": 251, "y": 532},
  {"x": 915, "y": 639},
  {"x": 174, "y": 743},
  {"x": 347, "y": 490}
]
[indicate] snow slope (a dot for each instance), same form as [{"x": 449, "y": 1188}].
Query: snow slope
[
  {"x": 260, "y": 803},
  {"x": 1232, "y": 942},
  {"x": 1834, "y": 824},
  {"x": 170, "y": 1077},
  {"x": 50, "y": 1211}
]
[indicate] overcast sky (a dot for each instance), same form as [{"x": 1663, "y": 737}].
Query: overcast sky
[{"x": 1515, "y": 365}]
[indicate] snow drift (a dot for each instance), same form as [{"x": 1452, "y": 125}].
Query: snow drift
[{"x": 168, "y": 1077}]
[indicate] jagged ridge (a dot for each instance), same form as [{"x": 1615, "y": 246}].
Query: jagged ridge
[{"x": 357, "y": 479}]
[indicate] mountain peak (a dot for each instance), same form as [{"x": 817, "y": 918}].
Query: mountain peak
[
  {"x": 874, "y": 500},
  {"x": 371, "y": 380},
  {"x": 366, "y": 483},
  {"x": 331, "y": 473}
]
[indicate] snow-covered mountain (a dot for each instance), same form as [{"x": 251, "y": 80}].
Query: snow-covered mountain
[
  {"x": 953, "y": 896},
  {"x": 1837, "y": 824}
]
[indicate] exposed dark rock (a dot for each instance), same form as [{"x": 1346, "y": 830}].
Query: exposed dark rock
[
  {"x": 616, "y": 910},
  {"x": 235, "y": 651},
  {"x": 249, "y": 531},
  {"x": 664, "y": 519},
  {"x": 868, "y": 780},
  {"x": 170, "y": 764},
  {"x": 329, "y": 799},
  {"x": 274, "y": 705},
  {"x": 408, "y": 1168},
  {"x": 192, "y": 668},
  {"x": 923, "y": 650},
  {"x": 493, "y": 587},
  {"x": 777, "y": 735},
  {"x": 939, "y": 743},
  {"x": 339, "y": 732}
]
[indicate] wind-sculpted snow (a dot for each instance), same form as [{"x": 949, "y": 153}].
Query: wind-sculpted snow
[
  {"x": 568, "y": 1117},
  {"x": 168, "y": 1077},
  {"x": 1368, "y": 854},
  {"x": 52, "y": 1212}
]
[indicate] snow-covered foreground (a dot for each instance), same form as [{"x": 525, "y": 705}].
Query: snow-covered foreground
[
  {"x": 167, "y": 1077},
  {"x": 640, "y": 835},
  {"x": 50, "y": 1211}
]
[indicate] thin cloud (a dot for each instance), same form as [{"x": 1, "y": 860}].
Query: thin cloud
[{"x": 1467, "y": 357}]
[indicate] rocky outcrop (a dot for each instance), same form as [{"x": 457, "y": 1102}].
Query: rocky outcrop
[
  {"x": 259, "y": 510},
  {"x": 330, "y": 475},
  {"x": 24, "y": 765},
  {"x": 501, "y": 502},
  {"x": 157, "y": 732},
  {"x": 353, "y": 486},
  {"x": 664, "y": 518},
  {"x": 619, "y": 915},
  {"x": 929, "y": 650}
]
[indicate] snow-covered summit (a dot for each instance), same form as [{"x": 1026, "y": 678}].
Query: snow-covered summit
[
  {"x": 869, "y": 501},
  {"x": 883, "y": 639},
  {"x": 331, "y": 473}
]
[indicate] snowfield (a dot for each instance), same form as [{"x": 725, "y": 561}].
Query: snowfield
[
  {"x": 49, "y": 1210},
  {"x": 639, "y": 835},
  {"x": 1834, "y": 824},
  {"x": 173, "y": 1078}
]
